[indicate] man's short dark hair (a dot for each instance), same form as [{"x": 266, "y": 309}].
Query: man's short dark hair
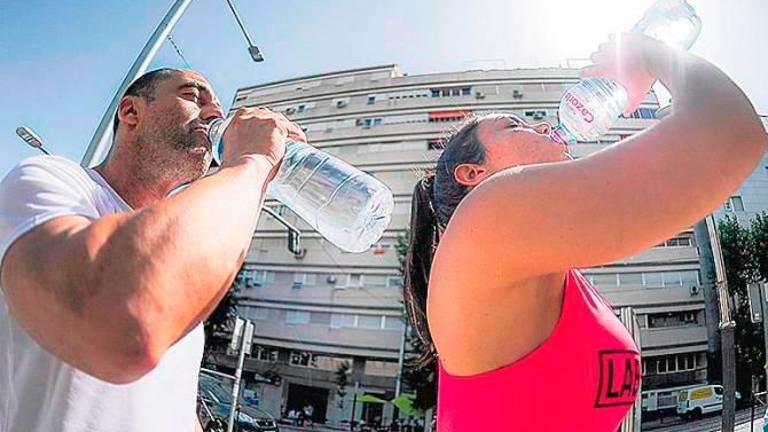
[{"x": 144, "y": 86}]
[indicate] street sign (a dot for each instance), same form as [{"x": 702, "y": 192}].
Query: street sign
[
  {"x": 755, "y": 302},
  {"x": 237, "y": 333},
  {"x": 248, "y": 335}
]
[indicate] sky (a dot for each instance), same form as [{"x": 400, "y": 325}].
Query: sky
[{"x": 62, "y": 61}]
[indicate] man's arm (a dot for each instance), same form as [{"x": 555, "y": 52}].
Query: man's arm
[
  {"x": 198, "y": 426},
  {"x": 110, "y": 296}
]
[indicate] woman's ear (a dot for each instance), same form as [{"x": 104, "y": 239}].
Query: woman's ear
[{"x": 470, "y": 174}]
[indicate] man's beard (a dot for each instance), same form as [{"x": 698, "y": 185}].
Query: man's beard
[
  {"x": 183, "y": 138},
  {"x": 167, "y": 151}
]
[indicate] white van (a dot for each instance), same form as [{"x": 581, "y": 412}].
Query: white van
[{"x": 696, "y": 401}]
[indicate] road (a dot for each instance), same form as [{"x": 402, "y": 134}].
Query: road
[{"x": 711, "y": 423}]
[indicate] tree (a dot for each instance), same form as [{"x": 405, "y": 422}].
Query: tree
[
  {"x": 342, "y": 380},
  {"x": 220, "y": 324},
  {"x": 759, "y": 229},
  {"x": 420, "y": 379},
  {"x": 741, "y": 268}
]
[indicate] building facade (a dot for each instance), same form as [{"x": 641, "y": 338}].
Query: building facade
[{"x": 323, "y": 308}]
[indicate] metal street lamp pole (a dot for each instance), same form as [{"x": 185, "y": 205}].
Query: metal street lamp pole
[
  {"x": 727, "y": 329},
  {"x": 100, "y": 142}
]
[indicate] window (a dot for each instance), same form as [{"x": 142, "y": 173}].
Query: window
[
  {"x": 673, "y": 363},
  {"x": 677, "y": 242},
  {"x": 394, "y": 282},
  {"x": 301, "y": 108},
  {"x": 689, "y": 277},
  {"x": 672, "y": 319},
  {"x": 537, "y": 114},
  {"x": 371, "y": 100},
  {"x": 672, "y": 279},
  {"x": 631, "y": 279},
  {"x": 654, "y": 280},
  {"x": 451, "y": 91},
  {"x": 304, "y": 279},
  {"x": 604, "y": 279},
  {"x": 258, "y": 313},
  {"x": 370, "y": 322},
  {"x": 737, "y": 204},
  {"x": 641, "y": 113},
  {"x": 354, "y": 280},
  {"x": 296, "y": 317},
  {"x": 265, "y": 354},
  {"x": 256, "y": 278},
  {"x": 319, "y": 318},
  {"x": 393, "y": 323},
  {"x": 343, "y": 320},
  {"x": 371, "y": 122},
  {"x": 435, "y": 144},
  {"x": 302, "y": 358}
]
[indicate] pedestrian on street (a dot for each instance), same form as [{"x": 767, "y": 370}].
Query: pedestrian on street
[
  {"x": 500, "y": 227},
  {"x": 106, "y": 278}
]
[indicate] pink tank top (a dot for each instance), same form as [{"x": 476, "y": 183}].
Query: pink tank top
[{"x": 584, "y": 377}]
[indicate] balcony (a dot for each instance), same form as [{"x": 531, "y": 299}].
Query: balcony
[
  {"x": 674, "y": 379},
  {"x": 322, "y": 338},
  {"x": 661, "y": 337}
]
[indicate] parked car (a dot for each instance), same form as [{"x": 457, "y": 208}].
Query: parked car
[
  {"x": 700, "y": 400},
  {"x": 215, "y": 401}
]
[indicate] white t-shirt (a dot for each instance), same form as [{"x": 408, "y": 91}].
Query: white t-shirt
[{"x": 39, "y": 392}]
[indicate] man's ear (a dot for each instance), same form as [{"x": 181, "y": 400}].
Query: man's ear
[
  {"x": 470, "y": 174},
  {"x": 127, "y": 111}
]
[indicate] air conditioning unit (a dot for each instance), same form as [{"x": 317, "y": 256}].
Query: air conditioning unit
[
  {"x": 301, "y": 254},
  {"x": 341, "y": 104},
  {"x": 479, "y": 95},
  {"x": 517, "y": 94},
  {"x": 331, "y": 279},
  {"x": 694, "y": 290},
  {"x": 539, "y": 115}
]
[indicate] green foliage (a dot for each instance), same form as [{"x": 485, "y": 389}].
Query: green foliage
[
  {"x": 219, "y": 325},
  {"x": 422, "y": 381},
  {"x": 743, "y": 250},
  {"x": 342, "y": 380}
]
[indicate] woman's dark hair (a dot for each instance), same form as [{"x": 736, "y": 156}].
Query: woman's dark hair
[{"x": 435, "y": 198}]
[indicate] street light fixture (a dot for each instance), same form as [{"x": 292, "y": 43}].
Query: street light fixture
[
  {"x": 253, "y": 50},
  {"x": 31, "y": 138}
]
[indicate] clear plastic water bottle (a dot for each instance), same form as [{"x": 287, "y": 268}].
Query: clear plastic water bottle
[
  {"x": 348, "y": 207},
  {"x": 588, "y": 109}
]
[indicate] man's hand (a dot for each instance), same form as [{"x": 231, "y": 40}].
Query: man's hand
[{"x": 258, "y": 131}]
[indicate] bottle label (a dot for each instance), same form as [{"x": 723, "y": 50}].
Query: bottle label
[{"x": 576, "y": 104}]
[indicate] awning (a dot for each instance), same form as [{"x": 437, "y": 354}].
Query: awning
[
  {"x": 370, "y": 399},
  {"x": 404, "y": 403},
  {"x": 441, "y": 115}
]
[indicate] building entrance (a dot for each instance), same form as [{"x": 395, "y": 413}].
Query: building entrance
[{"x": 300, "y": 396}]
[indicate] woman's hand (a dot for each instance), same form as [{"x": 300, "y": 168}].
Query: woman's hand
[{"x": 628, "y": 61}]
